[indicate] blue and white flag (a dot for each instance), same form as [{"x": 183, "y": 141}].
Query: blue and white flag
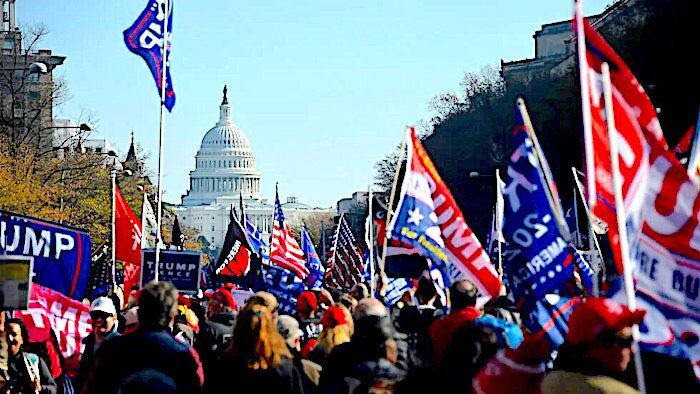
[
  {"x": 255, "y": 239},
  {"x": 285, "y": 286},
  {"x": 145, "y": 38},
  {"x": 550, "y": 318},
  {"x": 395, "y": 289},
  {"x": 537, "y": 258},
  {"x": 316, "y": 271},
  {"x": 61, "y": 253}
]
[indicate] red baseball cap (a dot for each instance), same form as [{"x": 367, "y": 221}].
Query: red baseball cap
[
  {"x": 227, "y": 297},
  {"x": 333, "y": 316},
  {"x": 594, "y": 316},
  {"x": 307, "y": 302}
]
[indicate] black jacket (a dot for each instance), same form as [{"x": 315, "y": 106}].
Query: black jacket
[
  {"x": 87, "y": 359},
  {"x": 123, "y": 358},
  {"x": 213, "y": 338},
  {"x": 377, "y": 374},
  {"x": 229, "y": 376}
]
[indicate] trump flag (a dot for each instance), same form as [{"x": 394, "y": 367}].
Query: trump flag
[{"x": 428, "y": 219}]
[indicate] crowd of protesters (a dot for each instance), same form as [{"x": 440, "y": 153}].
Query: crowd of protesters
[{"x": 164, "y": 342}]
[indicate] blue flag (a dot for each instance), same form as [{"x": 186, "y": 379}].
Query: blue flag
[
  {"x": 550, "y": 318},
  {"x": 395, "y": 289},
  {"x": 285, "y": 286},
  {"x": 61, "y": 253},
  {"x": 145, "y": 38},
  {"x": 536, "y": 258},
  {"x": 316, "y": 271},
  {"x": 255, "y": 239}
]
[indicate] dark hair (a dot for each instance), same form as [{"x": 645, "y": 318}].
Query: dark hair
[
  {"x": 22, "y": 329},
  {"x": 462, "y": 294},
  {"x": 157, "y": 305},
  {"x": 426, "y": 289},
  {"x": 371, "y": 334}
]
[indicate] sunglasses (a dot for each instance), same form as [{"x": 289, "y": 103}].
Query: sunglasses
[
  {"x": 615, "y": 340},
  {"x": 98, "y": 314}
]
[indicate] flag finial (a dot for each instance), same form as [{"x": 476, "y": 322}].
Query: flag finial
[{"x": 225, "y": 100}]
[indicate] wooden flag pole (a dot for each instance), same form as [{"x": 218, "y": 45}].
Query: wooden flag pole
[{"x": 621, "y": 219}]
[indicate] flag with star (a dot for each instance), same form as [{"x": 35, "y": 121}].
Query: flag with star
[
  {"x": 344, "y": 268},
  {"x": 537, "y": 257},
  {"x": 449, "y": 244}
]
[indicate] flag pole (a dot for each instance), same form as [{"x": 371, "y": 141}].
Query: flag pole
[
  {"x": 552, "y": 198},
  {"x": 113, "y": 181},
  {"x": 371, "y": 242},
  {"x": 585, "y": 102},
  {"x": 163, "y": 73},
  {"x": 498, "y": 223},
  {"x": 693, "y": 164},
  {"x": 592, "y": 239},
  {"x": 620, "y": 218},
  {"x": 389, "y": 211}
]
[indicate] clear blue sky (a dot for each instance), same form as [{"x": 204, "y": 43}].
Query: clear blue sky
[{"x": 323, "y": 89}]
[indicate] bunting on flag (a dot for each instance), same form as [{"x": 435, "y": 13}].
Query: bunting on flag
[
  {"x": 128, "y": 240},
  {"x": 234, "y": 259},
  {"x": 316, "y": 271},
  {"x": 635, "y": 119},
  {"x": 536, "y": 257},
  {"x": 285, "y": 250},
  {"x": 145, "y": 38},
  {"x": 149, "y": 225},
  {"x": 428, "y": 219},
  {"x": 345, "y": 265}
]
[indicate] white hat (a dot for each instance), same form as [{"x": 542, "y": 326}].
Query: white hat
[
  {"x": 103, "y": 304},
  {"x": 288, "y": 327}
]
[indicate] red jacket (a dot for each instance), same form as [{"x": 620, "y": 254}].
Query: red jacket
[{"x": 442, "y": 331}]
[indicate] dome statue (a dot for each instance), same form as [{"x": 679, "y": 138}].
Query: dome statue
[{"x": 224, "y": 164}]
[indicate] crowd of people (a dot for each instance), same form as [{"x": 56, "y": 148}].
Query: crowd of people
[{"x": 164, "y": 342}]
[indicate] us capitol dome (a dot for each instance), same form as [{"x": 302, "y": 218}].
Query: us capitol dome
[{"x": 225, "y": 171}]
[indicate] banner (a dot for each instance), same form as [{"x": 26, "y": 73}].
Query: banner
[
  {"x": 182, "y": 268},
  {"x": 234, "y": 258},
  {"x": 429, "y": 219},
  {"x": 536, "y": 257},
  {"x": 145, "y": 38},
  {"x": 61, "y": 253},
  {"x": 49, "y": 310}
]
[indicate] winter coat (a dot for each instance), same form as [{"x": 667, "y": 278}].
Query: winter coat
[
  {"x": 376, "y": 375},
  {"x": 87, "y": 359},
  {"x": 442, "y": 331},
  {"x": 213, "y": 338},
  {"x": 229, "y": 376},
  {"x": 124, "y": 358},
  {"x": 21, "y": 367},
  {"x": 575, "y": 382}
]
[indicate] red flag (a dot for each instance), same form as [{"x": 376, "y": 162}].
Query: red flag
[
  {"x": 127, "y": 248},
  {"x": 635, "y": 121},
  {"x": 50, "y": 310}
]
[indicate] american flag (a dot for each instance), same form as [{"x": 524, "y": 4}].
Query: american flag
[
  {"x": 285, "y": 250},
  {"x": 100, "y": 281},
  {"x": 345, "y": 266}
]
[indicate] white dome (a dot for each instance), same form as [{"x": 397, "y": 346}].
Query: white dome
[{"x": 225, "y": 164}]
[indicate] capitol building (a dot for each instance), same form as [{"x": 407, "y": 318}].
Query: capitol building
[{"x": 225, "y": 170}]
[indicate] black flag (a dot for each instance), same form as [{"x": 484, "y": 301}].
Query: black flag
[
  {"x": 178, "y": 238},
  {"x": 234, "y": 259}
]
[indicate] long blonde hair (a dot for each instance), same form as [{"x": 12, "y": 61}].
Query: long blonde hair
[
  {"x": 256, "y": 342},
  {"x": 335, "y": 332}
]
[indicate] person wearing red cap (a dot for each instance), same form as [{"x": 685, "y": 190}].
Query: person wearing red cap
[
  {"x": 336, "y": 330},
  {"x": 597, "y": 350},
  {"x": 307, "y": 315},
  {"x": 215, "y": 334}
]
